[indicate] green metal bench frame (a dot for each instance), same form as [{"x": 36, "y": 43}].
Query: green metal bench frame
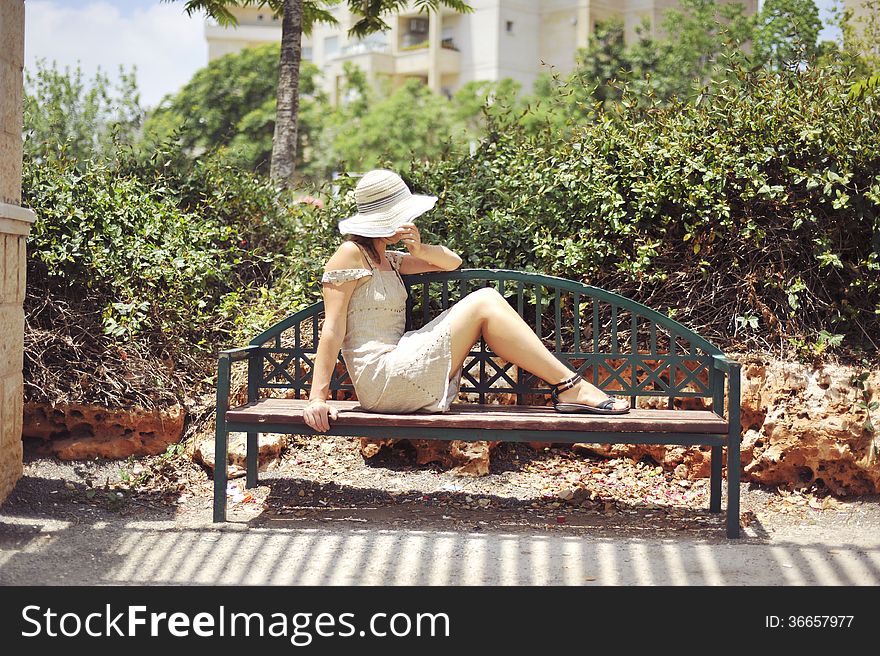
[{"x": 657, "y": 357}]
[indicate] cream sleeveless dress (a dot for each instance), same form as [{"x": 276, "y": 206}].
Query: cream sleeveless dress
[{"x": 393, "y": 370}]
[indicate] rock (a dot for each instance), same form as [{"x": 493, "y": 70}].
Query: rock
[
  {"x": 370, "y": 447},
  {"x": 434, "y": 451},
  {"x": 464, "y": 458},
  {"x": 565, "y": 494},
  {"x": 75, "y": 431},
  {"x": 812, "y": 430},
  {"x": 472, "y": 456},
  {"x": 696, "y": 460},
  {"x": 269, "y": 454},
  {"x": 800, "y": 426}
]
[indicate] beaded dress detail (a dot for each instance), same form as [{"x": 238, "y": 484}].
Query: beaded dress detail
[{"x": 394, "y": 370}]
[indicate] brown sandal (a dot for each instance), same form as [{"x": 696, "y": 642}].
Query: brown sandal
[{"x": 606, "y": 407}]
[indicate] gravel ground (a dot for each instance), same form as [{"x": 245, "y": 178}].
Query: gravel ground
[{"x": 326, "y": 480}]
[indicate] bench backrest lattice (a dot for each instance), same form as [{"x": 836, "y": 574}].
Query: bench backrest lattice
[{"x": 621, "y": 346}]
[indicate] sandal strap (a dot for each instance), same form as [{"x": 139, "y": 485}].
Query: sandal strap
[{"x": 568, "y": 383}]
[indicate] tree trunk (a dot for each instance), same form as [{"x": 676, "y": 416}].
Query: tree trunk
[{"x": 287, "y": 110}]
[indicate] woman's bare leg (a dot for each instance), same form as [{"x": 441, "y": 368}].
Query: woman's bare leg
[{"x": 485, "y": 313}]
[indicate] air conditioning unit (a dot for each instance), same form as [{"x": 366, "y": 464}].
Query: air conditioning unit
[{"x": 418, "y": 25}]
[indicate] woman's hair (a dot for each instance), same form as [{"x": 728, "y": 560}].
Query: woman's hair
[{"x": 366, "y": 242}]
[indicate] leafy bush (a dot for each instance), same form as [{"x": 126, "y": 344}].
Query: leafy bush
[
  {"x": 149, "y": 258},
  {"x": 67, "y": 115},
  {"x": 758, "y": 203}
]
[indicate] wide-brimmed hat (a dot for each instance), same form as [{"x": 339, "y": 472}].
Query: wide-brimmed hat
[{"x": 384, "y": 203}]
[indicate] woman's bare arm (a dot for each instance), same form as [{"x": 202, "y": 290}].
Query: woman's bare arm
[
  {"x": 424, "y": 257},
  {"x": 431, "y": 257},
  {"x": 336, "y": 299}
]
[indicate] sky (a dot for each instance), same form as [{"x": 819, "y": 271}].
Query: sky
[{"x": 165, "y": 46}]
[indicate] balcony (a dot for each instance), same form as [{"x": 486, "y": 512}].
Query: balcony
[
  {"x": 445, "y": 44},
  {"x": 361, "y": 48},
  {"x": 416, "y": 60},
  {"x": 268, "y": 33}
]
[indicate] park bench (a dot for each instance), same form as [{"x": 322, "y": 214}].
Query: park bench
[{"x": 621, "y": 346}]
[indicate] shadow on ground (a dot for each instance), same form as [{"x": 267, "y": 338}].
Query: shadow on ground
[
  {"x": 55, "y": 529},
  {"x": 299, "y": 502}
]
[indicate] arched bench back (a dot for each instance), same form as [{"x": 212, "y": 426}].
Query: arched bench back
[{"x": 619, "y": 345}]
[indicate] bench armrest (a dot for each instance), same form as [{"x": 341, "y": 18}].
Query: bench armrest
[
  {"x": 224, "y": 371},
  {"x": 235, "y": 354},
  {"x": 724, "y": 364},
  {"x": 731, "y": 370}
]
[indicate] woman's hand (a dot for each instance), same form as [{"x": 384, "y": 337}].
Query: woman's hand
[
  {"x": 408, "y": 233},
  {"x": 316, "y": 415}
]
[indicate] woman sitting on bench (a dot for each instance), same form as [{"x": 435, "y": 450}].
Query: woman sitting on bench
[{"x": 417, "y": 370}]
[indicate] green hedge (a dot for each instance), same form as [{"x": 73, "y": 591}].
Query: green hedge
[
  {"x": 752, "y": 215},
  {"x": 143, "y": 264}
]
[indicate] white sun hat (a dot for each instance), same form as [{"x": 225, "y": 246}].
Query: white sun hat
[{"x": 384, "y": 203}]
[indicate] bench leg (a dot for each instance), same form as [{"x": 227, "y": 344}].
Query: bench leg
[
  {"x": 253, "y": 448},
  {"x": 220, "y": 457},
  {"x": 733, "y": 456},
  {"x": 715, "y": 480},
  {"x": 733, "y": 464}
]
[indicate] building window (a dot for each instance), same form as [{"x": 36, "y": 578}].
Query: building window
[
  {"x": 307, "y": 53},
  {"x": 414, "y": 33},
  {"x": 331, "y": 46},
  {"x": 418, "y": 25},
  {"x": 509, "y": 27},
  {"x": 446, "y": 39}
]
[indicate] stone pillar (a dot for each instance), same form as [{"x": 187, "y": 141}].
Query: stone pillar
[
  {"x": 15, "y": 223},
  {"x": 435, "y": 35},
  {"x": 583, "y": 24}
]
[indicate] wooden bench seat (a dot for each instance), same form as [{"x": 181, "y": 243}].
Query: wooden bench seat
[
  {"x": 533, "y": 419},
  {"x": 617, "y": 344}
]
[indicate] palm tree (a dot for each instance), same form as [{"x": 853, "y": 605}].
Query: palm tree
[
  {"x": 283, "y": 162},
  {"x": 298, "y": 16}
]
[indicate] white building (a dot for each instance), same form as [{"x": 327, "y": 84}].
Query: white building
[{"x": 516, "y": 39}]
